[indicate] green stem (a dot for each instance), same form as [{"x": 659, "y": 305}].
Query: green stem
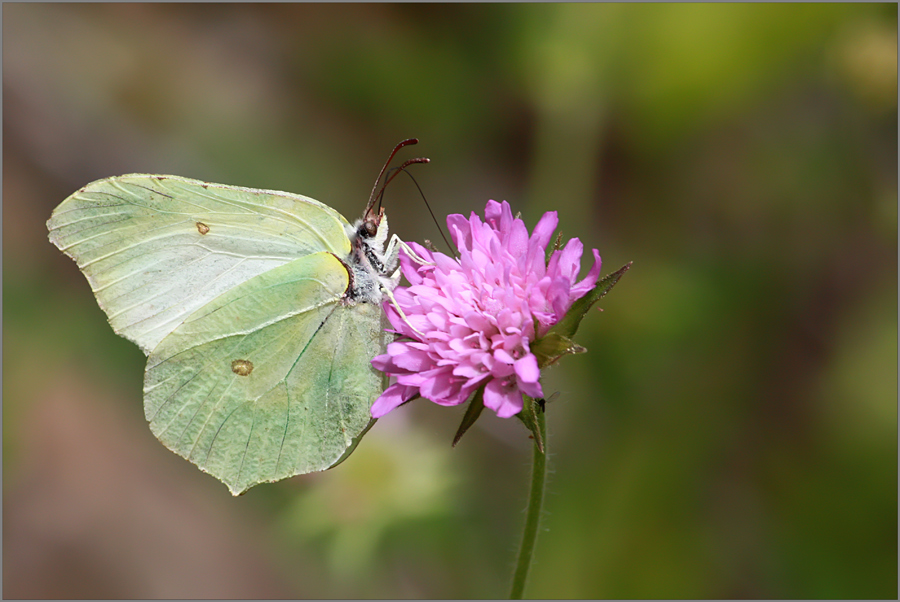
[{"x": 533, "y": 517}]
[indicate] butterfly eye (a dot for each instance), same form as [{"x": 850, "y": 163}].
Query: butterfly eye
[{"x": 371, "y": 229}]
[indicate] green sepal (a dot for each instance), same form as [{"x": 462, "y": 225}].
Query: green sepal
[
  {"x": 529, "y": 417},
  {"x": 553, "y": 346},
  {"x": 476, "y": 406},
  {"x": 569, "y": 324}
]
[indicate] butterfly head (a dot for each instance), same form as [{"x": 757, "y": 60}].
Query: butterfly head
[
  {"x": 369, "y": 233},
  {"x": 371, "y": 220}
]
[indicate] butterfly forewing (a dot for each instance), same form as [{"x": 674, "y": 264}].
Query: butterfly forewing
[{"x": 157, "y": 248}]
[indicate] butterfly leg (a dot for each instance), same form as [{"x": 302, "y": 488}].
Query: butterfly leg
[
  {"x": 391, "y": 267},
  {"x": 403, "y": 317},
  {"x": 391, "y": 257},
  {"x": 412, "y": 254}
]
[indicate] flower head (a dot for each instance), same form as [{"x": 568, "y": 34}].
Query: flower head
[{"x": 470, "y": 322}]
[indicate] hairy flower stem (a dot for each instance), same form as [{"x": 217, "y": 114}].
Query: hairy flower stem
[{"x": 533, "y": 517}]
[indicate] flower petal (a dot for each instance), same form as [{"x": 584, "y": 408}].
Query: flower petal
[
  {"x": 590, "y": 281},
  {"x": 533, "y": 390},
  {"x": 502, "y": 398},
  {"x": 392, "y": 397},
  {"x": 527, "y": 369},
  {"x": 460, "y": 231}
]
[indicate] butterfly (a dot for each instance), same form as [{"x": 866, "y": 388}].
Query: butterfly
[{"x": 259, "y": 312}]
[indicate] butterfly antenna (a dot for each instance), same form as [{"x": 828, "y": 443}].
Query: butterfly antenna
[
  {"x": 397, "y": 170},
  {"x": 436, "y": 223},
  {"x": 374, "y": 194}
]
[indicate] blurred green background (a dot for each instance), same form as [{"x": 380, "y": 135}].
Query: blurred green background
[{"x": 732, "y": 431}]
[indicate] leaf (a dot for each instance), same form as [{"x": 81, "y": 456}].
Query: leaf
[
  {"x": 553, "y": 346},
  {"x": 569, "y": 324},
  {"x": 476, "y": 406}
]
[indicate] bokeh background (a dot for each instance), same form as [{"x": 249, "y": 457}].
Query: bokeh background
[{"x": 732, "y": 431}]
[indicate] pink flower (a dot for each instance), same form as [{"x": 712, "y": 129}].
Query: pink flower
[{"x": 470, "y": 322}]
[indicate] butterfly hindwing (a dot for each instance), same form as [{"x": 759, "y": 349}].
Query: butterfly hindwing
[{"x": 270, "y": 380}]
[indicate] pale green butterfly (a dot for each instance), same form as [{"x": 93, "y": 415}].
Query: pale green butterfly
[{"x": 259, "y": 312}]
